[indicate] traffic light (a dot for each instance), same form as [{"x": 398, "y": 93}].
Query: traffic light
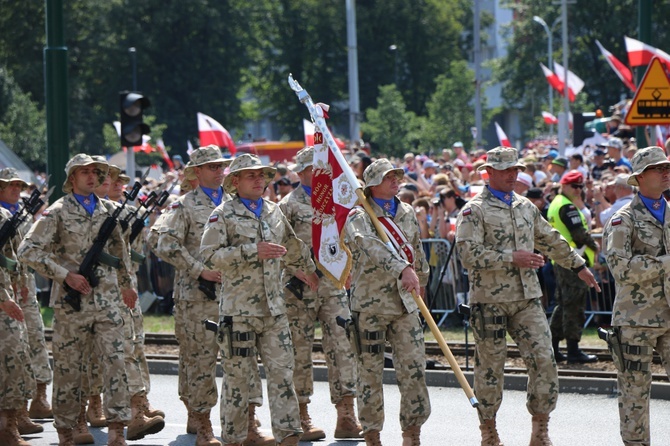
[
  {"x": 579, "y": 133},
  {"x": 133, "y": 127}
]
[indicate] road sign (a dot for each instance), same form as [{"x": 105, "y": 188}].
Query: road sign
[{"x": 651, "y": 105}]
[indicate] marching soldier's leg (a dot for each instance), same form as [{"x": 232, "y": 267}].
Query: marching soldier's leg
[
  {"x": 140, "y": 359},
  {"x": 180, "y": 334},
  {"x": 92, "y": 384},
  {"x": 39, "y": 358}
]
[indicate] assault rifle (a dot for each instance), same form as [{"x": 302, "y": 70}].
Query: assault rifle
[
  {"x": 95, "y": 253},
  {"x": 152, "y": 202}
]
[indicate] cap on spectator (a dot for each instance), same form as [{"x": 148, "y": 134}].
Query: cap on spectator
[
  {"x": 534, "y": 192},
  {"x": 457, "y": 144},
  {"x": 560, "y": 161},
  {"x": 553, "y": 154},
  {"x": 524, "y": 178},
  {"x": 599, "y": 152},
  {"x": 620, "y": 179},
  {"x": 572, "y": 177},
  {"x": 647, "y": 157},
  {"x": 616, "y": 117},
  {"x": 613, "y": 142},
  {"x": 177, "y": 158},
  {"x": 502, "y": 158},
  {"x": 408, "y": 156},
  {"x": 283, "y": 181},
  {"x": 459, "y": 162},
  {"x": 430, "y": 163}
]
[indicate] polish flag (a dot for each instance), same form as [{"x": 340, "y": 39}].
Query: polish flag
[
  {"x": 549, "y": 118},
  {"x": 553, "y": 80},
  {"x": 502, "y": 137},
  {"x": 161, "y": 148},
  {"x": 660, "y": 141},
  {"x": 619, "y": 68},
  {"x": 640, "y": 54},
  {"x": 308, "y": 128},
  {"x": 575, "y": 84},
  {"x": 211, "y": 132}
]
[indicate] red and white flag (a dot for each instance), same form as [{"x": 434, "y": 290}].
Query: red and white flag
[
  {"x": 161, "y": 148},
  {"x": 333, "y": 196},
  {"x": 640, "y": 54},
  {"x": 211, "y": 132},
  {"x": 554, "y": 80},
  {"x": 619, "y": 68},
  {"x": 189, "y": 147},
  {"x": 549, "y": 118},
  {"x": 309, "y": 129},
  {"x": 660, "y": 138},
  {"x": 575, "y": 83},
  {"x": 502, "y": 137}
]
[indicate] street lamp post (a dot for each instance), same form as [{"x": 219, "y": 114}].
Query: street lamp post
[
  {"x": 550, "y": 48},
  {"x": 130, "y": 154}
]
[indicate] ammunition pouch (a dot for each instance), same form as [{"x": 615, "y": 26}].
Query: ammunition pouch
[
  {"x": 296, "y": 287},
  {"x": 491, "y": 327}
]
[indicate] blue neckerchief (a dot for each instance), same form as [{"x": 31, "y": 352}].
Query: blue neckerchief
[
  {"x": 308, "y": 190},
  {"x": 216, "y": 195},
  {"x": 655, "y": 207},
  {"x": 389, "y": 206},
  {"x": 87, "y": 202},
  {"x": 255, "y": 206},
  {"x": 505, "y": 197},
  {"x": 13, "y": 208}
]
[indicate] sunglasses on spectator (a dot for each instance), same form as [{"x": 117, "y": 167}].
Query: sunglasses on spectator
[{"x": 577, "y": 186}]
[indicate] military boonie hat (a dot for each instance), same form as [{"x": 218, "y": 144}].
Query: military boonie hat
[
  {"x": 647, "y": 157},
  {"x": 303, "y": 159},
  {"x": 114, "y": 171},
  {"x": 502, "y": 158},
  {"x": 81, "y": 160},
  {"x": 246, "y": 162},
  {"x": 9, "y": 174},
  {"x": 374, "y": 174},
  {"x": 204, "y": 155}
]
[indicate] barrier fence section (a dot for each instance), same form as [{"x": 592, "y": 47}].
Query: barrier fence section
[{"x": 448, "y": 285}]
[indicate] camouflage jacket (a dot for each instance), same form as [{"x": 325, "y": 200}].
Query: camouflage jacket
[
  {"x": 637, "y": 253},
  {"x": 7, "y": 278},
  {"x": 251, "y": 287},
  {"x": 297, "y": 207},
  {"x": 488, "y": 232},
  {"x": 58, "y": 242},
  {"x": 179, "y": 238},
  {"x": 375, "y": 285}
]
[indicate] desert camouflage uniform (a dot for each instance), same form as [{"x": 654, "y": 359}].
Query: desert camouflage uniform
[
  {"x": 324, "y": 305},
  {"x": 638, "y": 255},
  {"x": 17, "y": 382},
  {"x": 382, "y": 305},
  {"x": 56, "y": 245},
  {"x": 253, "y": 296},
  {"x": 506, "y": 298}
]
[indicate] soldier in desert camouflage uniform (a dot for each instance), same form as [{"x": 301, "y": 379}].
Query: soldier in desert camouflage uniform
[
  {"x": 304, "y": 309},
  {"x": 247, "y": 239},
  {"x": 638, "y": 254},
  {"x": 496, "y": 233},
  {"x": 55, "y": 246},
  {"x": 383, "y": 308},
  {"x": 17, "y": 382},
  {"x": 11, "y": 186}
]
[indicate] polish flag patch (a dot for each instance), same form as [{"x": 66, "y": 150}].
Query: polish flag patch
[
  {"x": 467, "y": 212},
  {"x": 213, "y": 218},
  {"x": 174, "y": 205},
  {"x": 616, "y": 221}
]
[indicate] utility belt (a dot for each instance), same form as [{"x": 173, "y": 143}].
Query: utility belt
[
  {"x": 487, "y": 327},
  {"x": 621, "y": 351},
  {"x": 375, "y": 340},
  {"x": 226, "y": 337}
]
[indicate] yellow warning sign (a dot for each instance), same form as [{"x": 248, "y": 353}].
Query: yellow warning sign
[{"x": 651, "y": 105}]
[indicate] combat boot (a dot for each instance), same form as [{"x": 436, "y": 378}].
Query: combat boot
[
  {"x": 9, "y": 432},
  {"x": 311, "y": 432},
  {"x": 65, "y": 436},
  {"x": 254, "y": 435},
  {"x": 94, "y": 413},
  {"x": 148, "y": 410},
  {"x": 293, "y": 440},
  {"x": 39, "y": 407},
  {"x": 558, "y": 356},
  {"x": 411, "y": 436},
  {"x": 81, "y": 434},
  {"x": 540, "y": 434},
  {"x": 140, "y": 426},
  {"x": 576, "y": 356},
  {"x": 490, "y": 433},
  {"x": 372, "y": 438},
  {"x": 190, "y": 422},
  {"x": 347, "y": 425},
  {"x": 25, "y": 424},
  {"x": 115, "y": 435},
  {"x": 205, "y": 435}
]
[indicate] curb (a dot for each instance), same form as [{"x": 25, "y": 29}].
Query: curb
[{"x": 440, "y": 378}]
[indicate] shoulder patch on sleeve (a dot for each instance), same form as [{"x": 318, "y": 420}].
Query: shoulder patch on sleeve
[
  {"x": 175, "y": 205},
  {"x": 616, "y": 221},
  {"x": 467, "y": 212},
  {"x": 355, "y": 210},
  {"x": 213, "y": 218},
  {"x": 45, "y": 213}
]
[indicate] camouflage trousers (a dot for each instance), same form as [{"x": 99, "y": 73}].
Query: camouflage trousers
[
  {"x": 340, "y": 359},
  {"x": 17, "y": 382},
  {"x": 567, "y": 320},
  {"x": 527, "y": 324},
  {"x": 635, "y": 385},
  {"x": 273, "y": 342},
  {"x": 91, "y": 379},
  {"x": 405, "y": 335},
  {"x": 39, "y": 356},
  {"x": 72, "y": 330},
  {"x": 136, "y": 384},
  {"x": 138, "y": 348}
]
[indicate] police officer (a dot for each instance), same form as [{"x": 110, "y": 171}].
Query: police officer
[
  {"x": 496, "y": 233},
  {"x": 637, "y": 252},
  {"x": 17, "y": 382},
  {"x": 383, "y": 308},
  {"x": 305, "y": 307},
  {"x": 567, "y": 319},
  {"x": 11, "y": 186},
  {"x": 247, "y": 239},
  {"x": 55, "y": 246}
]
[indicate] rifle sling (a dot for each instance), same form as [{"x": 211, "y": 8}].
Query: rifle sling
[
  {"x": 136, "y": 256},
  {"x": 7, "y": 263},
  {"x": 109, "y": 260}
]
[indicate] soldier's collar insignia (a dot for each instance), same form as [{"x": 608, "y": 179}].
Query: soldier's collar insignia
[
  {"x": 656, "y": 204},
  {"x": 253, "y": 206},
  {"x": 508, "y": 197},
  {"x": 387, "y": 206}
]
